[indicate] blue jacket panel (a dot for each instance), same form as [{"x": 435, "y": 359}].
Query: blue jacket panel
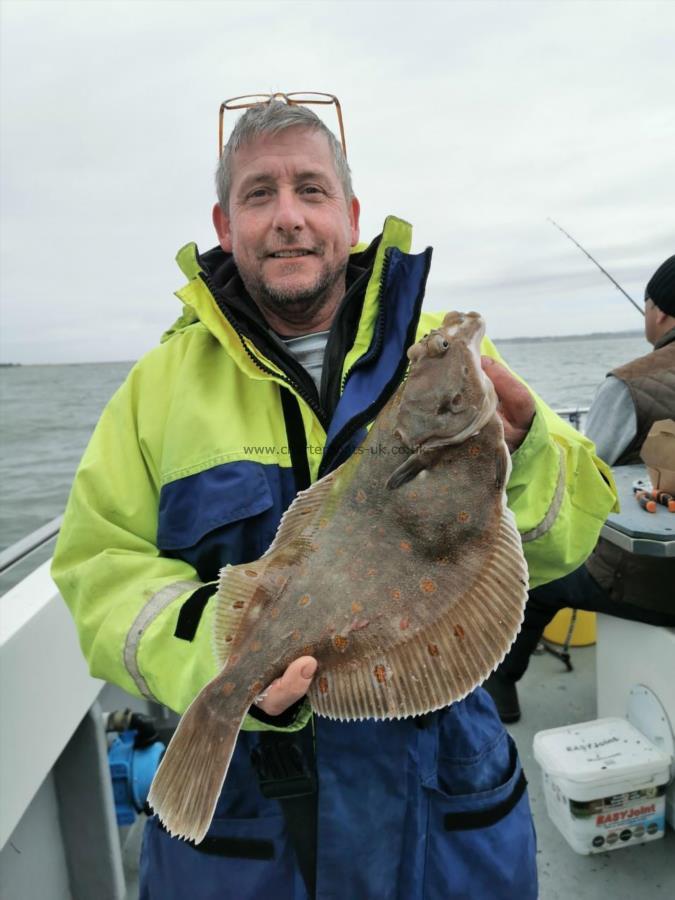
[{"x": 408, "y": 810}]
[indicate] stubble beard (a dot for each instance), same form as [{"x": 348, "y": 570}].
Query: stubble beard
[{"x": 298, "y": 305}]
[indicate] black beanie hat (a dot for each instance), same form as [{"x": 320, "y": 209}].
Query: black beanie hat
[{"x": 661, "y": 287}]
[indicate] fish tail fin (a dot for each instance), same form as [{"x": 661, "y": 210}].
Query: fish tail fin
[{"x": 186, "y": 787}]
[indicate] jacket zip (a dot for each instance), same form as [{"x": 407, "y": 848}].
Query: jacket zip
[
  {"x": 378, "y": 337},
  {"x": 343, "y": 437},
  {"x": 285, "y": 377}
]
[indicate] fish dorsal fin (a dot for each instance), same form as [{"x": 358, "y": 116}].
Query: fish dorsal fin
[
  {"x": 243, "y": 589},
  {"x": 445, "y": 658},
  {"x": 237, "y": 587},
  {"x": 303, "y": 517}
]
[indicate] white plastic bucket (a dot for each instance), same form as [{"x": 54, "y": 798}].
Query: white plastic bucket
[{"x": 604, "y": 784}]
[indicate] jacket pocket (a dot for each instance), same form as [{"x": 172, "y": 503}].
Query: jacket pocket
[
  {"x": 226, "y": 514},
  {"x": 481, "y": 843},
  {"x": 238, "y": 858}
]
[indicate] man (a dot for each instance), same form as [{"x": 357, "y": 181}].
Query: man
[
  {"x": 612, "y": 581},
  {"x": 292, "y": 338}
]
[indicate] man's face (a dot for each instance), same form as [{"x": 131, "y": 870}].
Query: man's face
[{"x": 289, "y": 227}]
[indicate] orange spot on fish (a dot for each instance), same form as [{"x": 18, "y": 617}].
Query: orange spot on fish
[
  {"x": 433, "y": 650},
  {"x": 305, "y": 600},
  {"x": 307, "y": 650},
  {"x": 412, "y": 495},
  {"x": 258, "y": 687},
  {"x": 371, "y": 572},
  {"x": 405, "y": 546},
  {"x": 227, "y": 688},
  {"x": 251, "y": 573},
  {"x": 428, "y": 585},
  {"x": 395, "y": 594},
  {"x": 380, "y": 674},
  {"x": 256, "y": 646},
  {"x": 323, "y": 684},
  {"x": 340, "y": 643},
  {"x": 474, "y": 450},
  {"x": 238, "y": 604},
  {"x": 361, "y": 496},
  {"x": 357, "y": 607},
  {"x": 458, "y": 631},
  {"x": 296, "y": 634},
  {"x": 274, "y": 612},
  {"x": 463, "y": 516},
  {"x": 403, "y": 624}
]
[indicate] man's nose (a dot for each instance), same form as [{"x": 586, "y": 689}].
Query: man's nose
[{"x": 288, "y": 215}]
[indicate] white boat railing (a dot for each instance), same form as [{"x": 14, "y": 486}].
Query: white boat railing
[{"x": 27, "y": 545}]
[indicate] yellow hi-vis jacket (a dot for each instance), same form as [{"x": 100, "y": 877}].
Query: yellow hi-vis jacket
[{"x": 188, "y": 470}]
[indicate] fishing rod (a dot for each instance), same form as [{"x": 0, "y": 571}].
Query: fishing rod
[{"x": 604, "y": 271}]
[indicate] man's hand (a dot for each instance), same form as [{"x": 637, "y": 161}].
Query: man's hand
[
  {"x": 293, "y": 684},
  {"x": 516, "y": 406}
]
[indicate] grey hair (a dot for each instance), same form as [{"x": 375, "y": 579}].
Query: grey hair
[{"x": 271, "y": 118}]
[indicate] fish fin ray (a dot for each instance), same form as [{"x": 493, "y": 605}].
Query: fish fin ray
[
  {"x": 238, "y": 585},
  {"x": 448, "y": 657},
  {"x": 188, "y": 782},
  {"x": 301, "y": 519}
]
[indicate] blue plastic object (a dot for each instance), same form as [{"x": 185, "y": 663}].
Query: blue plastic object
[{"x": 132, "y": 771}]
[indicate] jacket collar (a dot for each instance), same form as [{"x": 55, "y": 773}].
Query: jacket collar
[{"x": 667, "y": 338}]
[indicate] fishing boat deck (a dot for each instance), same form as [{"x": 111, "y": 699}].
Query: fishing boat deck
[{"x": 550, "y": 696}]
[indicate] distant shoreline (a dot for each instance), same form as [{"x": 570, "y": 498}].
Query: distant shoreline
[
  {"x": 571, "y": 337},
  {"x": 500, "y": 340}
]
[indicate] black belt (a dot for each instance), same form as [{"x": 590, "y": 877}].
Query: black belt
[{"x": 286, "y": 768}]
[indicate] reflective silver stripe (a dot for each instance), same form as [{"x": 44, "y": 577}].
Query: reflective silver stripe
[
  {"x": 155, "y": 605},
  {"x": 553, "y": 510}
]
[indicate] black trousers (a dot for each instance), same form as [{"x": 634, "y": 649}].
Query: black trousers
[{"x": 577, "y": 590}]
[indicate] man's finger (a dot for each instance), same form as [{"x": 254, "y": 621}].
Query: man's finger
[
  {"x": 293, "y": 684},
  {"x": 516, "y": 405}
]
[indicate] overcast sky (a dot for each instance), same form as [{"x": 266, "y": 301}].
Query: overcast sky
[{"x": 473, "y": 120}]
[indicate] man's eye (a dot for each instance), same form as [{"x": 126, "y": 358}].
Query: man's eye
[
  {"x": 311, "y": 189},
  {"x": 257, "y": 194}
]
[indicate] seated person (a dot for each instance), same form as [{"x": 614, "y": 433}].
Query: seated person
[{"x": 612, "y": 581}]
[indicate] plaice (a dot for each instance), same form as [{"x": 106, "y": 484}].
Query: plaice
[{"x": 402, "y": 572}]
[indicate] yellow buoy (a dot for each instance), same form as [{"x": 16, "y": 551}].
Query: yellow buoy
[{"x": 584, "y": 628}]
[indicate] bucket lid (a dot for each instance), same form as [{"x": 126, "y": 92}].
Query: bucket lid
[{"x": 600, "y": 750}]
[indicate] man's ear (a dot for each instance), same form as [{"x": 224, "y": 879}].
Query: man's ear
[
  {"x": 660, "y": 315},
  {"x": 221, "y": 223},
  {"x": 354, "y": 214}
]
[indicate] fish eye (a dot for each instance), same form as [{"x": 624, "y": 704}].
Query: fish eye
[{"x": 437, "y": 345}]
